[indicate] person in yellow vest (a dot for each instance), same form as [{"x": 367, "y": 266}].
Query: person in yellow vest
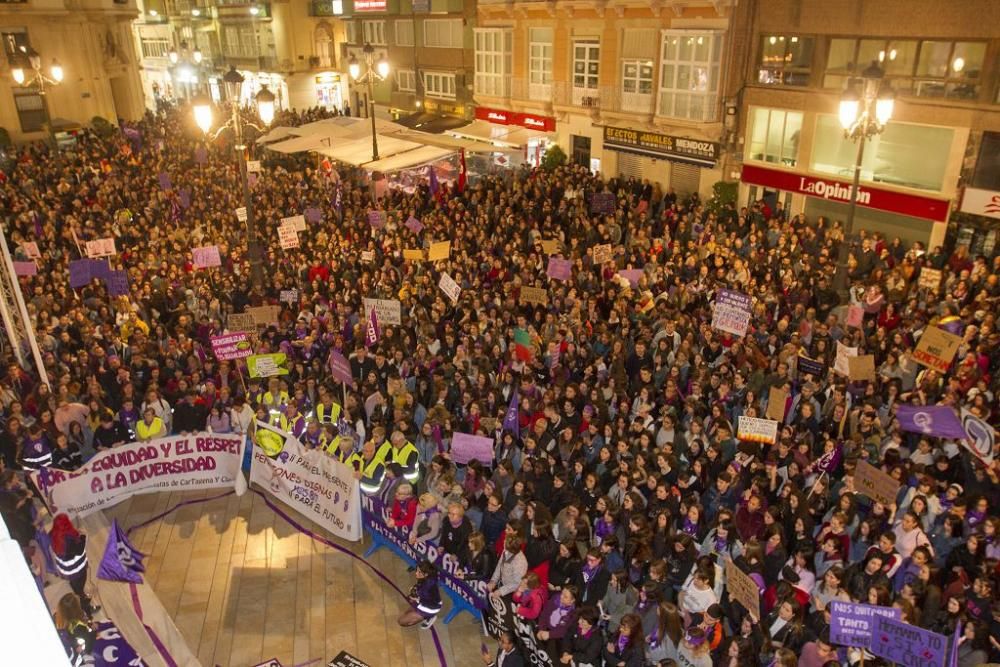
[
  {"x": 341, "y": 447},
  {"x": 405, "y": 453},
  {"x": 327, "y": 411},
  {"x": 291, "y": 420},
  {"x": 368, "y": 468},
  {"x": 275, "y": 399},
  {"x": 383, "y": 452},
  {"x": 150, "y": 427}
]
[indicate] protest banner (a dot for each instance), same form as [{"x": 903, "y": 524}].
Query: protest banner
[
  {"x": 116, "y": 283},
  {"x": 465, "y": 447},
  {"x": 851, "y": 623},
  {"x": 602, "y": 253},
  {"x": 980, "y": 436},
  {"x": 267, "y": 365},
  {"x": 376, "y": 219},
  {"x": 632, "y": 276},
  {"x": 465, "y": 595},
  {"x": 231, "y": 346},
  {"x": 313, "y": 214},
  {"x": 193, "y": 462},
  {"x": 311, "y": 482},
  {"x": 939, "y": 421},
  {"x": 264, "y": 315},
  {"x": 296, "y": 222},
  {"x": 112, "y": 647},
  {"x": 121, "y": 560},
  {"x": 340, "y": 368},
  {"x": 414, "y": 225},
  {"x": 537, "y": 295},
  {"x": 206, "y": 257},
  {"x": 855, "y": 316},
  {"x": 500, "y": 617},
  {"x": 367, "y": 255},
  {"x": 240, "y": 322},
  {"x": 840, "y": 363},
  {"x": 602, "y": 203},
  {"x": 875, "y": 484},
  {"x": 253, "y": 166},
  {"x": 777, "y": 399},
  {"x": 413, "y": 254},
  {"x": 101, "y": 248},
  {"x": 807, "y": 366},
  {"x": 388, "y": 311},
  {"x": 559, "y": 268},
  {"x": 79, "y": 273},
  {"x": 25, "y": 268},
  {"x": 30, "y": 250},
  {"x": 289, "y": 296},
  {"x": 288, "y": 238},
  {"x": 742, "y": 588},
  {"x": 732, "y": 312},
  {"x": 929, "y": 279},
  {"x": 936, "y": 349},
  {"x": 755, "y": 429},
  {"x": 550, "y": 246},
  {"x": 861, "y": 367},
  {"x": 438, "y": 251},
  {"x": 906, "y": 644},
  {"x": 241, "y": 214},
  {"x": 449, "y": 287}
]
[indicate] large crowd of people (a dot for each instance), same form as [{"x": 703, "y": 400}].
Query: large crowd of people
[{"x": 619, "y": 492}]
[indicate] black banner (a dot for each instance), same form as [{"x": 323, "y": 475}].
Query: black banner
[
  {"x": 500, "y": 616},
  {"x": 679, "y": 149}
]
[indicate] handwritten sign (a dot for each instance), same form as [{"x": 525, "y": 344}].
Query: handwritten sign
[
  {"x": 844, "y": 353},
  {"x": 288, "y": 238},
  {"x": 449, "y": 287},
  {"x": 861, "y": 367},
  {"x": 755, "y": 429},
  {"x": 30, "y": 249},
  {"x": 101, "y": 248},
  {"x": 117, "y": 283},
  {"x": 732, "y": 312},
  {"x": 413, "y": 254},
  {"x": 559, "y": 268},
  {"x": 25, "y": 269},
  {"x": 240, "y": 322},
  {"x": 241, "y": 214},
  {"x": 906, "y": 644},
  {"x": 388, "y": 311},
  {"x": 465, "y": 447},
  {"x": 296, "y": 222},
  {"x": 742, "y": 588},
  {"x": 289, "y": 296},
  {"x": 206, "y": 257},
  {"x": 875, "y": 484},
  {"x": 264, "y": 315},
  {"x": 253, "y": 166},
  {"x": 438, "y": 251},
  {"x": 602, "y": 253},
  {"x": 376, "y": 219},
  {"x": 776, "y": 401},
  {"x": 550, "y": 246},
  {"x": 414, "y": 225},
  {"x": 929, "y": 279},
  {"x": 936, "y": 349},
  {"x": 537, "y": 295},
  {"x": 851, "y": 623}
]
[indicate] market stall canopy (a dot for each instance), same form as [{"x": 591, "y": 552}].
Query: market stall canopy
[
  {"x": 359, "y": 151},
  {"x": 431, "y": 123},
  {"x": 276, "y": 134},
  {"x": 322, "y": 134},
  {"x": 409, "y": 159},
  {"x": 499, "y": 135}
]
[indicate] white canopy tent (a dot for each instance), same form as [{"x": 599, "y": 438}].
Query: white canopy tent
[
  {"x": 510, "y": 136},
  {"x": 409, "y": 159},
  {"x": 278, "y": 133}
]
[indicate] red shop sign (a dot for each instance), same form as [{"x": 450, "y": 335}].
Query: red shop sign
[
  {"x": 504, "y": 117},
  {"x": 917, "y": 206}
]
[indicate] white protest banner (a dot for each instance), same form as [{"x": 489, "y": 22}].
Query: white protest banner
[
  {"x": 101, "y": 248},
  {"x": 296, "y": 222},
  {"x": 449, "y": 287},
  {"x": 194, "y": 462},
  {"x": 755, "y": 429},
  {"x": 314, "y": 484},
  {"x": 388, "y": 311},
  {"x": 289, "y": 296},
  {"x": 732, "y": 312},
  {"x": 288, "y": 237},
  {"x": 30, "y": 249},
  {"x": 840, "y": 363},
  {"x": 241, "y": 214}
]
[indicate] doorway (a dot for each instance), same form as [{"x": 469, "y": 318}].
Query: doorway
[{"x": 580, "y": 148}]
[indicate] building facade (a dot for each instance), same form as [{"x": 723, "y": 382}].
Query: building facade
[
  {"x": 92, "y": 42},
  {"x": 942, "y": 60},
  {"x": 637, "y": 89}
]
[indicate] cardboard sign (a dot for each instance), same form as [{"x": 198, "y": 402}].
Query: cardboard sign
[
  {"x": 930, "y": 278},
  {"x": 449, "y": 287},
  {"x": 296, "y": 222},
  {"x": 840, "y": 362},
  {"x": 313, "y": 214},
  {"x": 206, "y": 257},
  {"x": 465, "y": 447},
  {"x": 875, "y": 484},
  {"x": 25, "y": 269},
  {"x": 855, "y": 316},
  {"x": 777, "y": 398},
  {"x": 101, "y": 248},
  {"x": 30, "y": 250},
  {"x": 851, "y": 623},
  {"x": 240, "y": 322},
  {"x": 732, "y": 312},
  {"x": 253, "y": 166},
  {"x": 289, "y": 296},
  {"x": 264, "y": 315},
  {"x": 388, "y": 311},
  {"x": 537, "y": 295},
  {"x": 438, "y": 251},
  {"x": 550, "y": 246},
  {"x": 231, "y": 346},
  {"x": 602, "y": 253},
  {"x": 288, "y": 238},
  {"x": 861, "y": 367},
  {"x": 367, "y": 255},
  {"x": 906, "y": 644},
  {"x": 241, "y": 214},
  {"x": 755, "y": 429},
  {"x": 936, "y": 349},
  {"x": 413, "y": 255},
  {"x": 559, "y": 268},
  {"x": 742, "y": 588}
]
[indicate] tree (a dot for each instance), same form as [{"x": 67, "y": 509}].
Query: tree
[{"x": 554, "y": 158}]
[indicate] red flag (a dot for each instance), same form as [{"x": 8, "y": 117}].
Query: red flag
[{"x": 461, "y": 172}]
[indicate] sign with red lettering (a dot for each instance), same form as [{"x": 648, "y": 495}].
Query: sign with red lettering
[
  {"x": 370, "y": 5},
  {"x": 528, "y": 120}
]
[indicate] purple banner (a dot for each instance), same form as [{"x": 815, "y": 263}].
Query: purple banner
[
  {"x": 340, "y": 368},
  {"x": 313, "y": 214},
  {"x": 79, "y": 273},
  {"x": 206, "y": 257},
  {"x": 25, "y": 269},
  {"x": 939, "y": 421},
  {"x": 100, "y": 269},
  {"x": 559, "y": 268},
  {"x": 465, "y": 447},
  {"x": 164, "y": 179},
  {"x": 117, "y": 283},
  {"x": 376, "y": 219},
  {"x": 631, "y": 275},
  {"x": 111, "y": 649},
  {"x": 851, "y": 624},
  {"x": 414, "y": 225},
  {"x": 906, "y": 644}
]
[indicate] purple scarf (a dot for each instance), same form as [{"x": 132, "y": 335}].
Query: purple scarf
[{"x": 589, "y": 572}]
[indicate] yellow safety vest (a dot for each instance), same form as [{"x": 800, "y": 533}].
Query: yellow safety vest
[
  {"x": 384, "y": 454},
  {"x": 403, "y": 455},
  {"x": 145, "y": 431},
  {"x": 368, "y": 470},
  {"x": 331, "y": 418}
]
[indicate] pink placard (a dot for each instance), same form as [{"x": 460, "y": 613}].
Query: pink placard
[
  {"x": 465, "y": 447},
  {"x": 855, "y": 316},
  {"x": 559, "y": 268},
  {"x": 25, "y": 269},
  {"x": 206, "y": 257}
]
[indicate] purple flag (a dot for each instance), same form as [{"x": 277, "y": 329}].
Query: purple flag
[
  {"x": 164, "y": 180},
  {"x": 117, "y": 283},
  {"x": 955, "y": 642},
  {"x": 79, "y": 273},
  {"x": 432, "y": 177},
  {"x": 829, "y": 461},
  {"x": 939, "y": 421},
  {"x": 111, "y": 649},
  {"x": 372, "y": 332},
  {"x": 38, "y": 224},
  {"x": 510, "y": 420},
  {"x": 436, "y": 434},
  {"x": 121, "y": 560}
]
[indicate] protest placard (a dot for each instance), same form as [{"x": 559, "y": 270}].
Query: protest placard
[
  {"x": 288, "y": 237},
  {"x": 906, "y": 644},
  {"x": 367, "y": 255},
  {"x": 240, "y": 322},
  {"x": 602, "y": 253},
  {"x": 537, "y": 295},
  {"x": 438, "y": 251},
  {"x": 602, "y": 203},
  {"x": 929, "y": 278},
  {"x": 414, "y": 225},
  {"x": 807, "y": 366},
  {"x": 231, "y": 346},
  {"x": 855, "y": 316},
  {"x": 101, "y": 247},
  {"x": 777, "y": 398},
  {"x": 844, "y": 353},
  {"x": 30, "y": 250},
  {"x": 633, "y": 276},
  {"x": 345, "y": 659},
  {"x": 755, "y": 429},
  {"x": 550, "y": 246},
  {"x": 25, "y": 269},
  {"x": 264, "y": 315},
  {"x": 117, "y": 283},
  {"x": 206, "y": 257},
  {"x": 413, "y": 254},
  {"x": 875, "y": 484},
  {"x": 936, "y": 349},
  {"x": 253, "y": 166},
  {"x": 449, "y": 287},
  {"x": 851, "y": 623},
  {"x": 267, "y": 365},
  {"x": 296, "y": 222},
  {"x": 861, "y": 367},
  {"x": 340, "y": 368},
  {"x": 742, "y": 588},
  {"x": 376, "y": 219},
  {"x": 559, "y": 268},
  {"x": 732, "y": 312},
  {"x": 241, "y": 214},
  {"x": 313, "y": 214},
  {"x": 980, "y": 436},
  {"x": 465, "y": 447},
  {"x": 388, "y": 311},
  {"x": 79, "y": 273},
  {"x": 189, "y": 462},
  {"x": 289, "y": 296}
]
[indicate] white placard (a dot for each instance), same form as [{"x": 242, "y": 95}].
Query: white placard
[
  {"x": 241, "y": 214},
  {"x": 449, "y": 287},
  {"x": 288, "y": 237},
  {"x": 389, "y": 311},
  {"x": 296, "y": 222}
]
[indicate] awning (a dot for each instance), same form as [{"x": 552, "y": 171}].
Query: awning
[
  {"x": 409, "y": 159},
  {"x": 431, "y": 123},
  {"x": 510, "y": 136},
  {"x": 308, "y": 142},
  {"x": 359, "y": 151},
  {"x": 520, "y": 136},
  {"x": 280, "y": 132}
]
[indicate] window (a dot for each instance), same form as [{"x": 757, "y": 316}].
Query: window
[
  {"x": 374, "y": 32},
  {"x": 774, "y": 136},
  {"x": 14, "y": 40},
  {"x": 440, "y": 85},
  {"x": 404, "y": 32},
  {"x": 352, "y": 32},
  {"x": 986, "y": 174},
  {"x": 540, "y": 62},
  {"x": 31, "y": 111},
  {"x": 406, "y": 80},
  {"x": 689, "y": 74},
  {"x": 493, "y": 61},
  {"x": 906, "y": 155},
  {"x": 586, "y": 64},
  {"x": 155, "y": 47},
  {"x": 443, "y": 33},
  {"x": 785, "y": 60},
  {"x": 637, "y": 76},
  {"x": 926, "y": 69}
]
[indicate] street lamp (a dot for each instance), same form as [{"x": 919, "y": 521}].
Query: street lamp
[
  {"x": 27, "y": 70},
  {"x": 202, "y": 110},
  {"x": 865, "y": 108},
  {"x": 373, "y": 72},
  {"x": 186, "y": 65}
]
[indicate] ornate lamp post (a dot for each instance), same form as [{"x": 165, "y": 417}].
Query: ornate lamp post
[{"x": 374, "y": 71}]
